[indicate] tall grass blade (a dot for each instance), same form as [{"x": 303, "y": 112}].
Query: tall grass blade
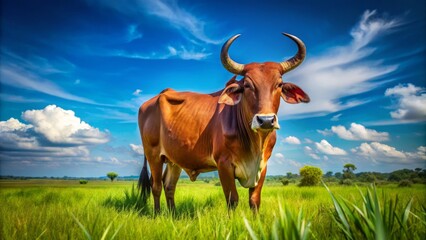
[
  {"x": 106, "y": 231},
  {"x": 86, "y": 233},
  {"x": 250, "y": 230}
]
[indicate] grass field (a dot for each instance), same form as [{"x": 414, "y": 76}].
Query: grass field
[{"x": 64, "y": 209}]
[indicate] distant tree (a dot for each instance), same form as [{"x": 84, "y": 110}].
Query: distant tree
[
  {"x": 348, "y": 171},
  {"x": 289, "y": 175},
  {"x": 112, "y": 175},
  {"x": 418, "y": 170},
  {"x": 338, "y": 175},
  {"x": 403, "y": 174},
  {"x": 310, "y": 175},
  {"x": 329, "y": 174}
]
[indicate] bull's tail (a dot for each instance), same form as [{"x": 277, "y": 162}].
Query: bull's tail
[{"x": 144, "y": 183}]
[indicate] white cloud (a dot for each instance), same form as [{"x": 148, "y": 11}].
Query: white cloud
[
  {"x": 343, "y": 71},
  {"x": 325, "y": 132},
  {"x": 411, "y": 102},
  {"x": 53, "y": 134},
  {"x": 137, "y": 92},
  {"x": 327, "y": 148},
  {"x": 13, "y": 125},
  {"x": 292, "y": 140},
  {"x": 388, "y": 154},
  {"x": 336, "y": 117},
  {"x": 359, "y": 132},
  {"x": 17, "y": 99},
  {"x": 63, "y": 127},
  {"x": 180, "y": 52},
  {"x": 137, "y": 149},
  {"x": 186, "y": 23},
  {"x": 31, "y": 74},
  {"x": 314, "y": 156}
]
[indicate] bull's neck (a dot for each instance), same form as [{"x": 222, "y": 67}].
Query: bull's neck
[{"x": 252, "y": 142}]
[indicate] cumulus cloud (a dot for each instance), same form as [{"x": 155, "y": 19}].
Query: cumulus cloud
[
  {"x": 279, "y": 159},
  {"x": 359, "y": 132},
  {"x": 385, "y": 153},
  {"x": 52, "y": 134},
  {"x": 292, "y": 140},
  {"x": 310, "y": 152},
  {"x": 327, "y": 148},
  {"x": 137, "y": 149},
  {"x": 333, "y": 77},
  {"x": 411, "y": 102},
  {"x": 63, "y": 127},
  {"x": 314, "y": 156}
]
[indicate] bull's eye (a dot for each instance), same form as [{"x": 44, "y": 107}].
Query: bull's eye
[
  {"x": 248, "y": 86},
  {"x": 280, "y": 85}
]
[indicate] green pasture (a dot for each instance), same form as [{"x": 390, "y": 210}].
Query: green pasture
[{"x": 65, "y": 209}]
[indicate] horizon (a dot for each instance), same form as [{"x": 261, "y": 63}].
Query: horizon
[{"x": 74, "y": 73}]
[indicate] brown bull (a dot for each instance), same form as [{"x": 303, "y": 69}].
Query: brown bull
[{"x": 231, "y": 130}]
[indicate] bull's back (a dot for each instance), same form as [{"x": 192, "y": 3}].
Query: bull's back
[{"x": 180, "y": 125}]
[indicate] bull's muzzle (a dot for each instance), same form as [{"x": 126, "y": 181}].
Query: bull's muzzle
[{"x": 265, "y": 122}]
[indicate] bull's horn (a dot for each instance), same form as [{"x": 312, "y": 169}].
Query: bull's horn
[
  {"x": 295, "y": 61},
  {"x": 227, "y": 62}
]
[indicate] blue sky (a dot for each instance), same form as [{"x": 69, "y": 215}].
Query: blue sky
[{"x": 73, "y": 74}]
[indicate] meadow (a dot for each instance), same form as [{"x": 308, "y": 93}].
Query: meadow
[{"x": 65, "y": 209}]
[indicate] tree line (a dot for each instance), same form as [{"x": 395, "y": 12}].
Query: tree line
[{"x": 310, "y": 175}]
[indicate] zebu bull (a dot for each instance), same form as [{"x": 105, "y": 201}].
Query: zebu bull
[{"x": 231, "y": 130}]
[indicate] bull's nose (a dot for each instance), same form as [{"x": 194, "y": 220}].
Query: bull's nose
[{"x": 265, "y": 122}]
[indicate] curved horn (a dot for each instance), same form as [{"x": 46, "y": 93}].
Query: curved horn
[
  {"x": 227, "y": 62},
  {"x": 295, "y": 61}
]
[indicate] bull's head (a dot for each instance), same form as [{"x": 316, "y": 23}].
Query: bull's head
[{"x": 262, "y": 86}]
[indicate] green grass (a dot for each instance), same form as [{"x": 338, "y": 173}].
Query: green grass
[{"x": 61, "y": 209}]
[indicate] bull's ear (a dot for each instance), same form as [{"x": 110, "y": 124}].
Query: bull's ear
[
  {"x": 232, "y": 94},
  {"x": 291, "y": 93}
]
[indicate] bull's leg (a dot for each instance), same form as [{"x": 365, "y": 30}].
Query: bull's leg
[
  {"x": 255, "y": 192},
  {"x": 227, "y": 179},
  {"x": 156, "y": 171},
  {"x": 170, "y": 178}
]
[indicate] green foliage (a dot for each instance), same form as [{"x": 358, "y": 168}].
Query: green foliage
[
  {"x": 131, "y": 200},
  {"x": 206, "y": 180},
  {"x": 349, "y": 167},
  {"x": 372, "y": 220},
  {"x": 311, "y": 176},
  {"x": 347, "y": 182},
  {"x": 83, "y": 181},
  {"x": 285, "y": 181},
  {"x": 418, "y": 174},
  {"x": 286, "y": 226},
  {"x": 112, "y": 175},
  {"x": 348, "y": 171},
  {"x": 405, "y": 183}
]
